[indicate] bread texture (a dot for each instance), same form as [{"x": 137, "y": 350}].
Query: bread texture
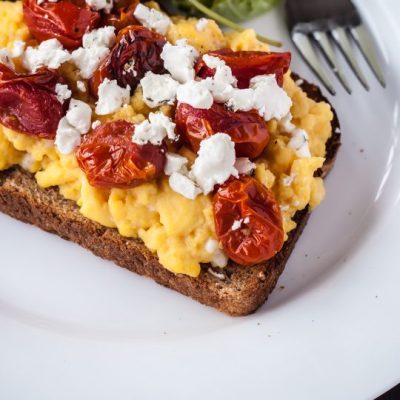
[{"x": 236, "y": 290}]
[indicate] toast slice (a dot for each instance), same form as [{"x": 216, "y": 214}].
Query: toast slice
[{"x": 236, "y": 290}]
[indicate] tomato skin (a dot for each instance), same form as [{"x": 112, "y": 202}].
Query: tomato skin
[
  {"x": 28, "y": 102},
  {"x": 122, "y": 15},
  {"x": 247, "y": 129},
  {"x": 246, "y": 65},
  {"x": 133, "y": 43},
  {"x": 111, "y": 160},
  {"x": 65, "y": 20},
  {"x": 262, "y": 237}
]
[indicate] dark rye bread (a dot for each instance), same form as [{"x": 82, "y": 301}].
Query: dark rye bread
[{"x": 237, "y": 290}]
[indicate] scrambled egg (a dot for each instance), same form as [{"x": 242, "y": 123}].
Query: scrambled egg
[{"x": 175, "y": 228}]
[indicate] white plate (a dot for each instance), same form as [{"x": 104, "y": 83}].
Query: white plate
[{"x": 73, "y": 326}]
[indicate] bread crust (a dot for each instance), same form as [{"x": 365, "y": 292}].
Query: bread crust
[{"x": 240, "y": 291}]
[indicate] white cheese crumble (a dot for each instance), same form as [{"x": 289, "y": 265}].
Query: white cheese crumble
[
  {"x": 102, "y": 37},
  {"x": 196, "y": 94},
  {"x": 111, "y": 97},
  {"x": 81, "y": 86},
  {"x": 67, "y": 137},
  {"x": 244, "y": 166},
  {"x": 158, "y": 89},
  {"x": 152, "y": 19},
  {"x": 179, "y": 60},
  {"x": 299, "y": 140},
  {"x": 96, "y": 124},
  {"x": 241, "y": 100},
  {"x": 219, "y": 260},
  {"x": 175, "y": 163},
  {"x": 27, "y": 161},
  {"x": 223, "y": 82},
  {"x": 96, "y": 44},
  {"x": 211, "y": 246},
  {"x": 154, "y": 130},
  {"x": 63, "y": 93},
  {"x": 5, "y": 58},
  {"x": 79, "y": 115},
  {"x": 270, "y": 99},
  {"x": 18, "y": 48},
  {"x": 97, "y": 5},
  {"x": 215, "y": 162},
  {"x": 50, "y": 53},
  {"x": 299, "y": 143},
  {"x": 201, "y": 24},
  {"x": 183, "y": 185},
  {"x": 70, "y": 128}
]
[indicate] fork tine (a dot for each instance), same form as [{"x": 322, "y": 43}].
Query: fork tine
[
  {"x": 361, "y": 37},
  {"x": 325, "y": 45},
  {"x": 342, "y": 40},
  {"x": 306, "y": 49}
]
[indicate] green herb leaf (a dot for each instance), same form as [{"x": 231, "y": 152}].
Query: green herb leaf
[
  {"x": 229, "y": 11},
  {"x": 241, "y": 10}
]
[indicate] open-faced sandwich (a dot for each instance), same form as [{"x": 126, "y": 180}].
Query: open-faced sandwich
[{"x": 180, "y": 152}]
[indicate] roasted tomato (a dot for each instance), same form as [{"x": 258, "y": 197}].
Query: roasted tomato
[
  {"x": 111, "y": 160},
  {"x": 122, "y": 14},
  {"x": 246, "y": 65},
  {"x": 137, "y": 51},
  {"x": 248, "y": 221},
  {"x": 64, "y": 20},
  {"x": 29, "y": 104},
  {"x": 247, "y": 129}
]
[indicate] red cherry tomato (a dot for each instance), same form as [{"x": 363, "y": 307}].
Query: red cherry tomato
[
  {"x": 65, "y": 20},
  {"x": 246, "y": 65},
  {"x": 260, "y": 235},
  {"x": 29, "y": 104},
  {"x": 122, "y": 14},
  {"x": 111, "y": 160},
  {"x": 136, "y": 52},
  {"x": 247, "y": 129}
]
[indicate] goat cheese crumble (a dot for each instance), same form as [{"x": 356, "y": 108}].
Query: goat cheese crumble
[
  {"x": 154, "y": 130},
  {"x": 196, "y": 94},
  {"x": 50, "y": 53},
  {"x": 111, "y": 97},
  {"x": 201, "y": 24},
  {"x": 97, "y": 5},
  {"x": 244, "y": 166},
  {"x": 158, "y": 89},
  {"x": 79, "y": 115},
  {"x": 299, "y": 140},
  {"x": 96, "y": 47},
  {"x": 152, "y": 19},
  {"x": 70, "y": 128},
  {"x": 215, "y": 162},
  {"x": 179, "y": 60},
  {"x": 18, "y": 48},
  {"x": 175, "y": 163},
  {"x": 63, "y": 93},
  {"x": 183, "y": 185}
]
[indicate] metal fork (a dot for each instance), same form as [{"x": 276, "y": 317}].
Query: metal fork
[{"x": 321, "y": 24}]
